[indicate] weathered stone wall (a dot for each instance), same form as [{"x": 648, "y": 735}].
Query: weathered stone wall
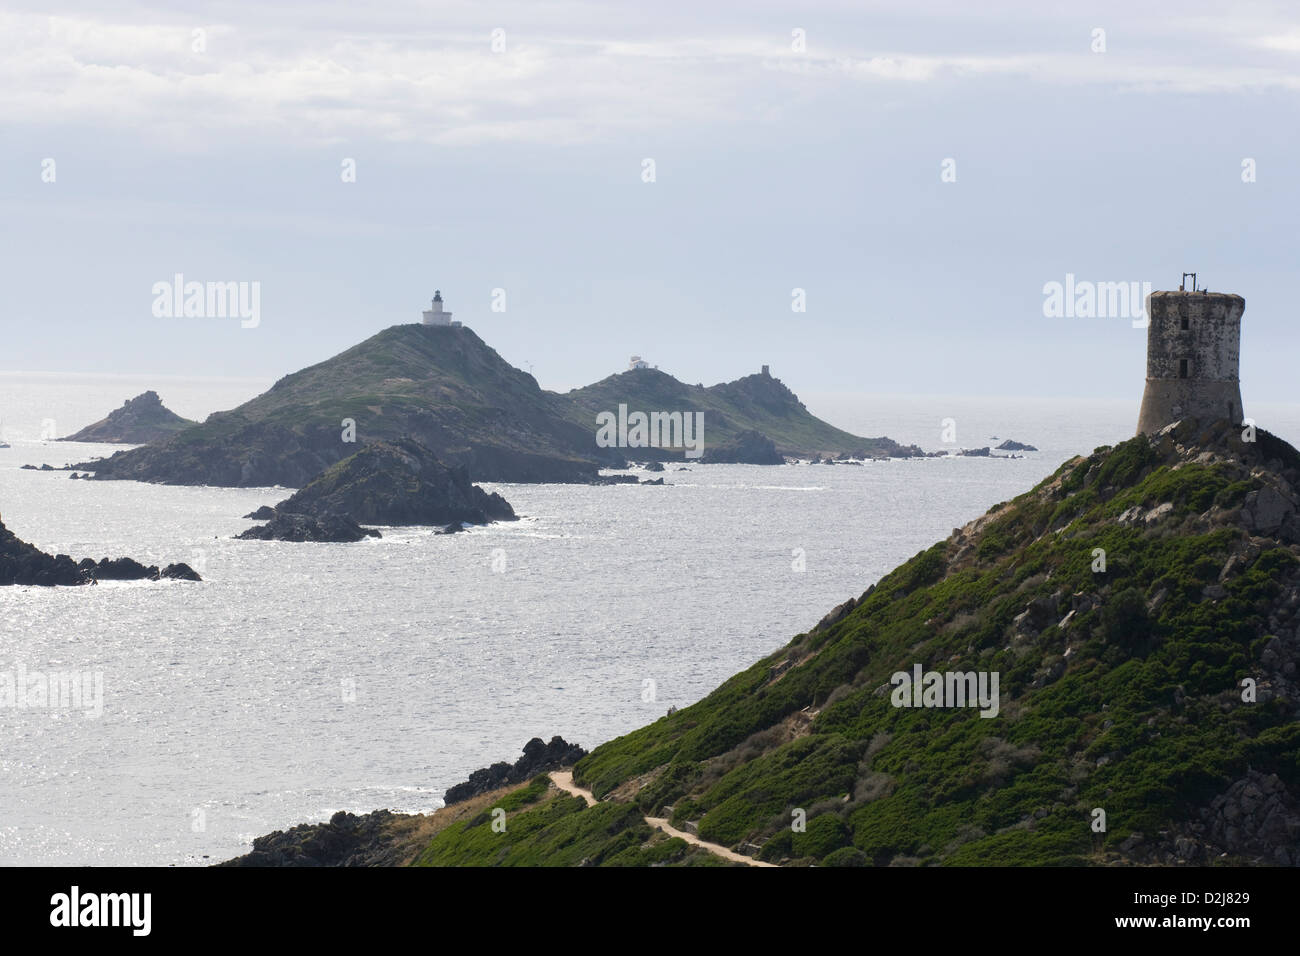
[{"x": 1211, "y": 346}]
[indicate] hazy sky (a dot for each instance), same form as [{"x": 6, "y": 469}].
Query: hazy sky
[{"x": 220, "y": 155}]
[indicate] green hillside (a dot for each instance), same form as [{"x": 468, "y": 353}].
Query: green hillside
[
  {"x": 1120, "y": 691},
  {"x": 448, "y": 390},
  {"x": 439, "y": 385},
  {"x": 753, "y": 403}
]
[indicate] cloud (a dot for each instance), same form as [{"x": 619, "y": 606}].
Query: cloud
[{"x": 339, "y": 80}]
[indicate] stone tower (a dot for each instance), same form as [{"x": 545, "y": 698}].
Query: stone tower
[{"x": 1193, "y": 345}]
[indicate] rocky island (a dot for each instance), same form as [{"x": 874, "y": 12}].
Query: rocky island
[
  {"x": 754, "y": 420},
  {"x": 140, "y": 420},
  {"x": 397, "y": 483},
  {"x": 448, "y": 390}
]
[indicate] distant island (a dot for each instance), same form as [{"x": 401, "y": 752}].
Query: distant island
[
  {"x": 442, "y": 386},
  {"x": 140, "y": 420}
]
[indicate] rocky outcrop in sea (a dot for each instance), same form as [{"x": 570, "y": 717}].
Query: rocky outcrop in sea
[
  {"x": 24, "y": 564},
  {"x": 140, "y": 420},
  {"x": 396, "y": 483},
  {"x": 336, "y": 529}
]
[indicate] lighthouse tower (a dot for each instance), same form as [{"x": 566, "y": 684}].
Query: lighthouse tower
[
  {"x": 1193, "y": 347},
  {"x": 436, "y": 316}
]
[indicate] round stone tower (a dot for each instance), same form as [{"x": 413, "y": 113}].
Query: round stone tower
[{"x": 1193, "y": 345}]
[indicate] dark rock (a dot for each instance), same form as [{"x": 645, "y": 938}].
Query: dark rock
[
  {"x": 538, "y": 758},
  {"x": 1010, "y": 445},
  {"x": 346, "y": 840},
  {"x": 180, "y": 572},
  {"x": 123, "y": 569},
  {"x": 654, "y": 466},
  {"x": 264, "y": 513},
  {"x": 24, "y": 564},
  {"x": 398, "y": 483},
  {"x": 615, "y": 480},
  {"x": 836, "y": 615},
  {"x": 653, "y": 481},
  {"x": 294, "y": 527},
  {"x": 748, "y": 448}
]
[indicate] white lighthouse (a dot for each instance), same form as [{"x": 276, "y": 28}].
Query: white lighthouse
[{"x": 435, "y": 315}]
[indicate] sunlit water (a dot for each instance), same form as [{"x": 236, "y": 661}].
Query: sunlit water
[{"x": 300, "y": 679}]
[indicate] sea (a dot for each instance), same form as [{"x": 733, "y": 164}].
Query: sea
[{"x": 301, "y": 679}]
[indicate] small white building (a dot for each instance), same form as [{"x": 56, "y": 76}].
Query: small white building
[
  {"x": 436, "y": 315},
  {"x": 636, "y": 362}
]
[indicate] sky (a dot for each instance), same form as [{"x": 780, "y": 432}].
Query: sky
[{"x": 588, "y": 181}]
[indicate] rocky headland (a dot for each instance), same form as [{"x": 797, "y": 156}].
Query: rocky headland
[{"x": 1141, "y": 607}]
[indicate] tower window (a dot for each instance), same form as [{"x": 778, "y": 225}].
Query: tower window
[
  {"x": 1182, "y": 368},
  {"x": 1184, "y": 324}
]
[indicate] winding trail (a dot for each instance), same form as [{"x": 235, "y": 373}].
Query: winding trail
[{"x": 564, "y": 780}]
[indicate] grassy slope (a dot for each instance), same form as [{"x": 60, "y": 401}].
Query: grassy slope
[
  {"x": 545, "y": 827},
  {"x": 755, "y": 402},
  {"x": 448, "y": 389},
  {"x": 1143, "y": 719},
  {"x": 443, "y": 386}
]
